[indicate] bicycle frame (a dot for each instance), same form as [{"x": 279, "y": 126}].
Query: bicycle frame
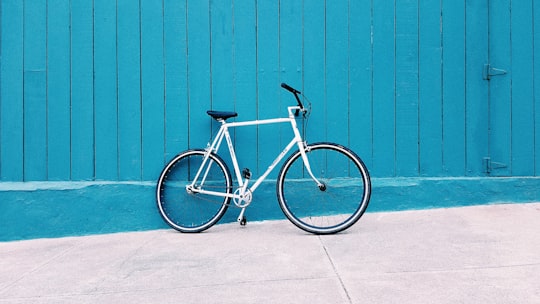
[{"x": 244, "y": 195}]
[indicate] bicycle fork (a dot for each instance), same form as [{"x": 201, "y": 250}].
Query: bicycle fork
[
  {"x": 303, "y": 151},
  {"x": 303, "y": 148}
]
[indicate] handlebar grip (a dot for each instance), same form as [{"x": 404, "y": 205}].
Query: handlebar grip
[
  {"x": 289, "y": 88},
  {"x": 295, "y": 92}
]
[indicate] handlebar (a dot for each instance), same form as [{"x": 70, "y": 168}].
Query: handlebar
[
  {"x": 289, "y": 88},
  {"x": 295, "y": 92}
]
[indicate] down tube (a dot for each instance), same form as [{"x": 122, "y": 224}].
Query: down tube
[{"x": 273, "y": 165}]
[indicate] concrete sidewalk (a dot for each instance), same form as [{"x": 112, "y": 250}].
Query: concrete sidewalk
[{"x": 481, "y": 254}]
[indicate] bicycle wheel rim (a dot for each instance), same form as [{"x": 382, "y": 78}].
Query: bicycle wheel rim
[
  {"x": 192, "y": 212},
  {"x": 346, "y": 193}
]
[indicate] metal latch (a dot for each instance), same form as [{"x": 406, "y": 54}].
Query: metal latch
[
  {"x": 489, "y": 165},
  {"x": 490, "y": 71}
]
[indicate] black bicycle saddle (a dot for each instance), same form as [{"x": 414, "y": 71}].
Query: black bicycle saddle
[{"x": 221, "y": 115}]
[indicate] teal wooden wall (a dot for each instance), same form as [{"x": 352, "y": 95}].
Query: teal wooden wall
[{"x": 110, "y": 90}]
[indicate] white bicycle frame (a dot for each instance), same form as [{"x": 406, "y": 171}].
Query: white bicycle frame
[{"x": 242, "y": 195}]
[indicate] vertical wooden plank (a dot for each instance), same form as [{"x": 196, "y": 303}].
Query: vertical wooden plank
[
  {"x": 11, "y": 91},
  {"x": 268, "y": 80},
  {"x": 176, "y": 99},
  {"x": 221, "y": 40},
  {"x": 221, "y": 59},
  {"x": 314, "y": 68},
  {"x": 337, "y": 76},
  {"x": 476, "y": 92},
  {"x": 129, "y": 89},
  {"x": 82, "y": 98},
  {"x": 105, "y": 90},
  {"x": 360, "y": 80},
  {"x": 407, "y": 88},
  {"x": 536, "y": 66},
  {"x": 35, "y": 91},
  {"x": 153, "y": 95},
  {"x": 430, "y": 88},
  {"x": 199, "y": 88},
  {"x": 454, "y": 64},
  {"x": 290, "y": 51},
  {"x": 290, "y": 62},
  {"x": 522, "y": 88},
  {"x": 245, "y": 79},
  {"x": 337, "y": 73},
  {"x": 58, "y": 90},
  {"x": 35, "y": 126},
  {"x": 383, "y": 89},
  {"x": 500, "y": 87}
]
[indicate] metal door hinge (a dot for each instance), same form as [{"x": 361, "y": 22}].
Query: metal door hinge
[
  {"x": 490, "y": 71},
  {"x": 489, "y": 165}
]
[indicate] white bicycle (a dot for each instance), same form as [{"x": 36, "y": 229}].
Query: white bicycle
[{"x": 322, "y": 188}]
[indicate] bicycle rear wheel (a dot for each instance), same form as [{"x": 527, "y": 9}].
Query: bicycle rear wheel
[
  {"x": 336, "y": 205},
  {"x": 190, "y": 211}
]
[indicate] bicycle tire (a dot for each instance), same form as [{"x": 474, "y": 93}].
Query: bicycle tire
[
  {"x": 193, "y": 212},
  {"x": 339, "y": 204}
]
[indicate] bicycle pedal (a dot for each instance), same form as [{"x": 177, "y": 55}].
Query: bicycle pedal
[
  {"x": 243, "y": 221},
  {"x": 246, "y": 173}
]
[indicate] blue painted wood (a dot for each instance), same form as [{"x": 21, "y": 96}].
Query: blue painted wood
[
  {"x": 454, "y": 85},
  {"x": 536, "y": 66},
  {"x": 360, "y": 80},
  {"x": 105, "y": 91},
  {"x": 11, "y": 91},
  {"x": 313, "y": 86},
  {"x": 58, "y": 90},
  {"x": 290, "y": 60},
  {"x": 290, "y": 48},
  {"x": 337, "y": 76},
  {"x": 383, "y": 89},
  {"x": 245, "y": 80},
  {"x": 176, "y": 93},
  {"x": 522, "y": 152},
  {"x": 500, "y": 87},
  {"x": 82, "y": 91},
  {"x": 476, "y": 91},
  {"x": 336, "y": 72},
  {"x": 127, "y": 86},
  {"x": 35, "y": 91},
  {"x": 269, "y": 98},
  {"x": 407, "y": 88},
  {"x": 221, "y": 55},
  {"x": 199, "y": 81},
  {"x": 129, "y": 90},
  {"x": 430, "y": 88},
  {"x": 221, "y": 72},
  {"x": 152, "y": 87}
]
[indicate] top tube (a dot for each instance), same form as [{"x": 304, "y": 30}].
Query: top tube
[{"x": 264, "y": 121}]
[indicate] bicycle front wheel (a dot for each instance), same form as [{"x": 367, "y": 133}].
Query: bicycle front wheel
[
  {"x": 338, "y": 202},
  {"x": 189, "y": 210}
]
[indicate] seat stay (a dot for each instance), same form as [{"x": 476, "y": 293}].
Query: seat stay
[{"x": 211, "y": 148}]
